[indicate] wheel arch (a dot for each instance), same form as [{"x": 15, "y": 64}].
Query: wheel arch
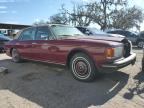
[
  {"x": 77, "y": 50},
  {"x": 11, "y": 51}
]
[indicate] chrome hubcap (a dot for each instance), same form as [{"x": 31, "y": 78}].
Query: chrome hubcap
[{"x": 81, "y": 68}]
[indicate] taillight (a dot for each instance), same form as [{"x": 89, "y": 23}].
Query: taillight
[{"x": 110, "y": 53}]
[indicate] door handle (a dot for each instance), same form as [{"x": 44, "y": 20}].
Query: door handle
[{"x": 34, "y": 43}]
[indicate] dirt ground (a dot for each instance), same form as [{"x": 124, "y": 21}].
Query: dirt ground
[{"x": 39, "y": 85}]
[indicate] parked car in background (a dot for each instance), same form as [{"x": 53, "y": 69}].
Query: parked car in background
[
  {"x": 85, "y": 56},
  {"x": 129, "y": 35},
  {"x": 3, "y": 40},
  {"x": 89, "y": 31},
  {"x": 140, "y": 40},
  {"x": 95, "y": 32}
]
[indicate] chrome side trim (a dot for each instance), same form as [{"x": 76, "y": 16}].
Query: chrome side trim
[{"x": 45, "y": 61}]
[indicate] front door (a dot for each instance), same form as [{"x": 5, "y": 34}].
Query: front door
[{"x": 41, "y": 46}]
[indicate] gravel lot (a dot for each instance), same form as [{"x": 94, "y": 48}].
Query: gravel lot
[{"x": 40, "y": 85}]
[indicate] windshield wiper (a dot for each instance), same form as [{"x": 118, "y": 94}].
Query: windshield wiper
[
  {"x": 64, "y": 35},
  {"x": 70, "y": 35},
  {"x": 78, "y": 35}
]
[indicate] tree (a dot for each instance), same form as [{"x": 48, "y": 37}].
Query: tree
[
  {"x": 59, "y": 19},
  {"x": 79, "y": 16},
  {"x": 104, "y": 10},
  {"x": 127, "y": 18},
  {"x": 97, "y": 12},
  {"x": 106, "y": 13}
]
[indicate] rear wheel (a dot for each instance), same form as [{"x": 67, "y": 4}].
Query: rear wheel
[
  {"x": 15, "y": 56},
  {"x": 82, "y": 67}
]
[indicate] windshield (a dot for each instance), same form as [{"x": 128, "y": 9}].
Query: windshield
[
  {"x": 96, "y": 31},
  {"x": 66, "y": 31}
]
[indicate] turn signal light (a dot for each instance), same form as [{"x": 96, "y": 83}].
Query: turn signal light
[{"x": 110, "y": 53}]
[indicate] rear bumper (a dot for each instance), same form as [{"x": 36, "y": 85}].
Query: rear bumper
[{"x": 118, "y": 64}]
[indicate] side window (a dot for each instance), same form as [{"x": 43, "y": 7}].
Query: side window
[
  {"x": 43, "y": 33},
  {"x": 79, "y": 28},
  {"x": 113, "y": 32},
  {"x": 132, "y": 35},
  {"x": 88, "y": 32},
  {"x": 142, "y": 34},
  {"x": 28, "y": 34},
  {"x": 127, "y": 34},
  {"x": 84, "y": 30},
  {"x": 121, "y": 33}
]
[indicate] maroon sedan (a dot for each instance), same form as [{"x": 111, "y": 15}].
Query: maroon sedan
[{"x": 85, "y": 56}]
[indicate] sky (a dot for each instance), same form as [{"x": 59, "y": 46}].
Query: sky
[{"x": 30, "y": 11}]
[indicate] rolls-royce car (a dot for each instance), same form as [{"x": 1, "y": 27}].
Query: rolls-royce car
[{"x": 85, "y": 56}]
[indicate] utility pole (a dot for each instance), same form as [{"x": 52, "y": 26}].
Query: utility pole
[{"x": 104, "y": 4}]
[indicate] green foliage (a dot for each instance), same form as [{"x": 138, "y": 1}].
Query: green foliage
[
  {"x": 59, "y": 19},
  {"x": 106, "y": 13},
  {"x": 127, "y": 18}
]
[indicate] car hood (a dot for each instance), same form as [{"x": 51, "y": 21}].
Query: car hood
[{"x": 89, "y": 38}]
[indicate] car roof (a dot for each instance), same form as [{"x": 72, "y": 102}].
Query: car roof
[{"x": 49, "y": 25}]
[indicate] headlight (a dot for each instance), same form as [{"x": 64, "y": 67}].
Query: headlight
[{"x": 116, "y": 52}]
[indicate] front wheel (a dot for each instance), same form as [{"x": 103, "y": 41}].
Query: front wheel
[
  {"x": 82, "y": 67},
  {"x": 15, "y": 56}
]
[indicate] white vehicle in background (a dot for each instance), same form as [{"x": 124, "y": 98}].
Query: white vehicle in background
[{"x": 9, "y": 33}]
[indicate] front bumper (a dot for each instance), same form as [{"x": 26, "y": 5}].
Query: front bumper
[{"x": 118, "y": 64}]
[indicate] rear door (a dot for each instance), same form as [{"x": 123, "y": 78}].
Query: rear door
[{"x": 24, "y": 44}]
